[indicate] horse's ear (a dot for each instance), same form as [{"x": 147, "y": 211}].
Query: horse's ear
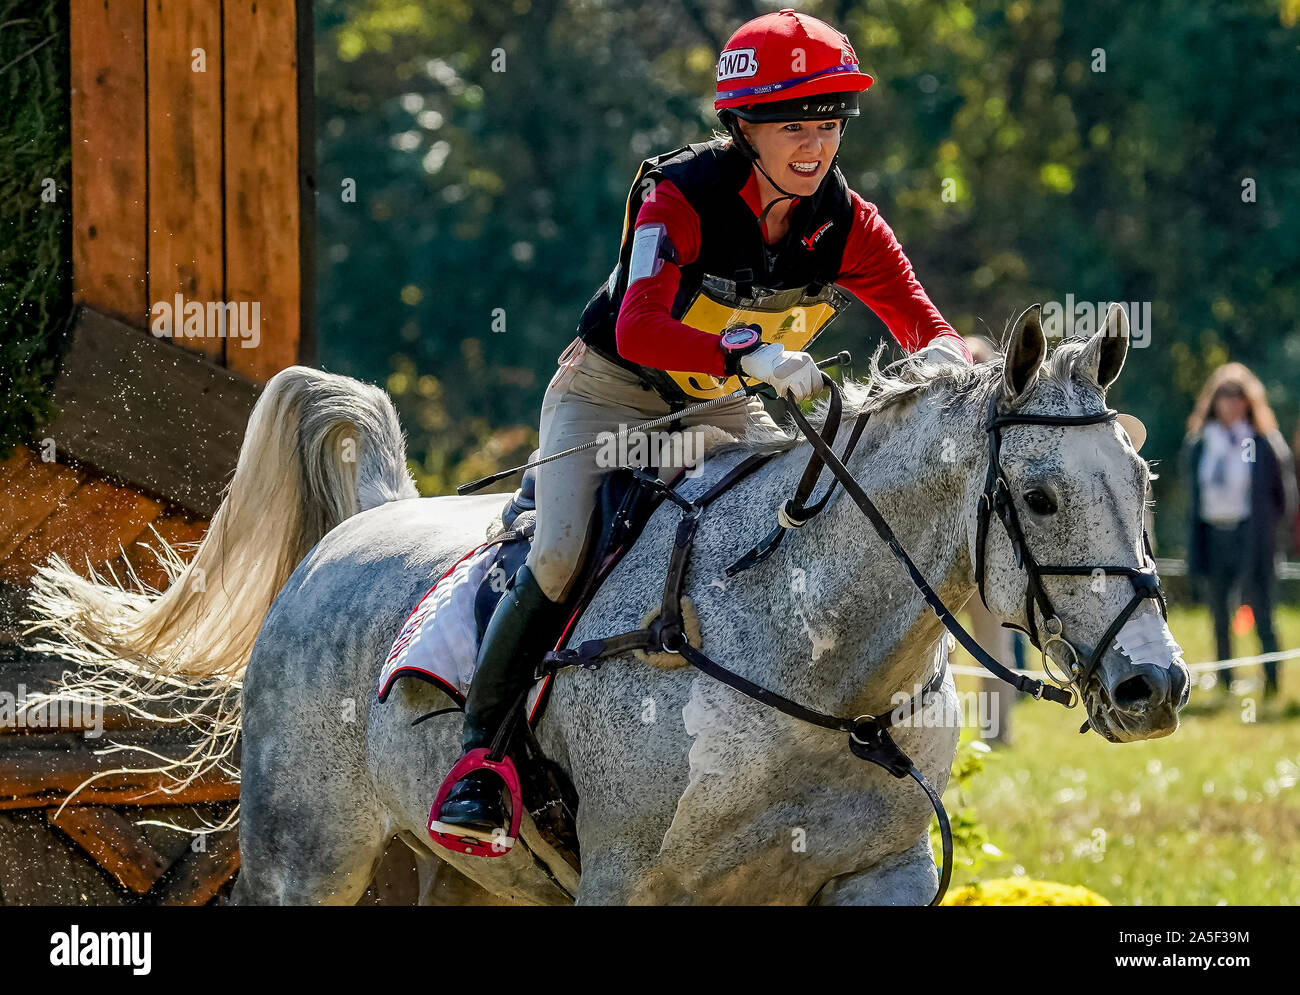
[
  {"x": 1103, "y": 356},
  {"x": 1026, "y": 350}
]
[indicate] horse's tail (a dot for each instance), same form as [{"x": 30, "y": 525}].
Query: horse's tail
[{"x": 319, "y": 448}]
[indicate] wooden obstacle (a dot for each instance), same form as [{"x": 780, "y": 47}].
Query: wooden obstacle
[
  {"x": 192, "y": 169},
  {"x": 192, "y": 175},
  {"x": 94, "y": 851}
]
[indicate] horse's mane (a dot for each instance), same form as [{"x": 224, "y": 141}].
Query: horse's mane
[{"x": 889, "y": 386}]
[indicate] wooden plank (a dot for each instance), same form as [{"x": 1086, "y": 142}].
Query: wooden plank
[
  {"x": 181, "y": 532},
  {"x": 110, "y": 226},
  {"x": 262, "y": 181},
  {"x": 30, "y": 491},
  {"x": 24, "y": 674},
  {"x": 185, "y": 160},
  {"x": 396, "y": 880},
  {"x": 196, "y": 878},
  {"x": 40, "y": 777},
  {"x": 94, "y": 523},
  {"x": 61, "y": 723},
  {"x": 40, "y": 867},
  {"x": 190, "y": 820},
  {"x": 307, "y": 182},
  {"x": 13, "y": 610},
  {"x": 65, "y": 714},
  {"x": 154, "y": 416},
  {"x": 62, "y": 714},
  {"x": 114, "y": 843}
]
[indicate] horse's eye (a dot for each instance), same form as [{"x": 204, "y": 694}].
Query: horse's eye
[{"x": 1040, "y": 502}]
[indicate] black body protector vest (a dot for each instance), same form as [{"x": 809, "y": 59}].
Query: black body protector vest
[{"x": 786, "y": 289}]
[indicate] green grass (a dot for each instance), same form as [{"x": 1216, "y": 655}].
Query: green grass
[
  {"x": 1209, "y": 815},
  {"x": 35, "y": 210}
]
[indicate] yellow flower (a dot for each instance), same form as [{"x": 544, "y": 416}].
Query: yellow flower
[{"x": 1023, "y": 891}]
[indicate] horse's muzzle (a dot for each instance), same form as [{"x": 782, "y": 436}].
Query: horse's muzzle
[{"x": 1138, "y": 702}]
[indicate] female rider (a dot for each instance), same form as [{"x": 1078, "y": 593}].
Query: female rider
[{"x": 746, "y": 235}]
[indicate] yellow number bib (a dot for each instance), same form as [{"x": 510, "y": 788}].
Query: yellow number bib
[{"x": 790, "y": 317}]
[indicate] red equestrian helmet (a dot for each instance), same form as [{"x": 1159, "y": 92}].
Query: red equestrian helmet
[{"x": 788, "y": 66}]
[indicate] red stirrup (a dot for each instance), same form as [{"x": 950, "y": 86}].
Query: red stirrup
[{"x": 455, "y": 837}]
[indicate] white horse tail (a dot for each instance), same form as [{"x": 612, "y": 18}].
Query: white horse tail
[{"x": 318, "y": 449}]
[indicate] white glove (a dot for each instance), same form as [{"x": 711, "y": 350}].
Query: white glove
[
  {"x": 943, "y": 349},
  {"x": 793, "y": 371}
]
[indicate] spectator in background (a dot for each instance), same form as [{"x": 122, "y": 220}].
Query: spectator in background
[{"x": 1243, "y": 486}]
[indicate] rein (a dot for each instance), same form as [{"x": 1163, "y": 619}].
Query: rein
[
  {"x": 796, "y": 512},
  {"x": 868, "y": 736},
  {"x": 1021, "y": 682}
]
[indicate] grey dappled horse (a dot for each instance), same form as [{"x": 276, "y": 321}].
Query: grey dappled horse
[{"x": 690, "y": 792}]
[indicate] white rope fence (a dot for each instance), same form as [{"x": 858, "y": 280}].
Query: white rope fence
[
  {"x": 1172, "y": 567},
  {"x": 1196, "y": 668}
]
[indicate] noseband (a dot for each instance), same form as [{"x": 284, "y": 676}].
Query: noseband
[{"x": 997, "y": 498}]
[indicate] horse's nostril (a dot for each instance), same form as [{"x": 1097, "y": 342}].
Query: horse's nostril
[{"x": 1133, "y": 692}]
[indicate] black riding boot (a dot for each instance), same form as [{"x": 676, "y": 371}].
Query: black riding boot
[{"x": 524, "y": 625}]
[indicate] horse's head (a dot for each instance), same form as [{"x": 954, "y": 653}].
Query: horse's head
[{"x": 1074, "y": 497}]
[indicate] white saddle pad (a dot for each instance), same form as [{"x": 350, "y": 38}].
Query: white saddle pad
[{"x": 439, "y": 641}]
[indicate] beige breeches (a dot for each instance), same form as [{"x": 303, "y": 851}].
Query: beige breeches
[{"x": 588, "y": 396}]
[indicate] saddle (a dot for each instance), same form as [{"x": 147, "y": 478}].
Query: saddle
[
  {"x": 439, "y": 641},
  {"x": 624, "y": 503}
]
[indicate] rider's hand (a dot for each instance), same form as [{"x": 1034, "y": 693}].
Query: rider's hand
[
  {"x": 792, "y": 371},
  {"x": 945, "y": 349}
]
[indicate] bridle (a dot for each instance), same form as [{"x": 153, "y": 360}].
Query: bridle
[
  {"x": 868, "y": 735},
  {"x": 997, "y": 498}
]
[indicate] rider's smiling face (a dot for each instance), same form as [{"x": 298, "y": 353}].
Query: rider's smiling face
[{"x": 796, "y": 154}]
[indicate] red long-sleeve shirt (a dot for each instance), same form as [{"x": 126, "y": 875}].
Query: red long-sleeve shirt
[{"x": 874, "y": 269}]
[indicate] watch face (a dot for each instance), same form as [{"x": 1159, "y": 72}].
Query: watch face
[{"x": 739, "y": 338}]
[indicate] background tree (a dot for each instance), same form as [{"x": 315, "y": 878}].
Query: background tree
[
  {"x": 1022, "y": 151},
  {"x": 474, "y": 160}
]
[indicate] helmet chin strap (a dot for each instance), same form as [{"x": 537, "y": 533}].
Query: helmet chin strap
[
  {"x": 733, "y": 126},
  {"x": 762, "y": 218}
]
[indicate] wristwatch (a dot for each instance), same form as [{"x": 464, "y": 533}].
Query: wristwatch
[{"x": 737, "y": 342}]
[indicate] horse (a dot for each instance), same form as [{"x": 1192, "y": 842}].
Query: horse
[{"x": 690, "y": 792}]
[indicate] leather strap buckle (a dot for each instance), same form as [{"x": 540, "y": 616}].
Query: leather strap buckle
[
  {"x": 672, "y": 639},
  {"x": 858, "y": 723},
  {"x": 784, "y": 517}
]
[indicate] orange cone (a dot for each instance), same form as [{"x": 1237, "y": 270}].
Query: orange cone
[{"x": 1243, "y": 621}]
